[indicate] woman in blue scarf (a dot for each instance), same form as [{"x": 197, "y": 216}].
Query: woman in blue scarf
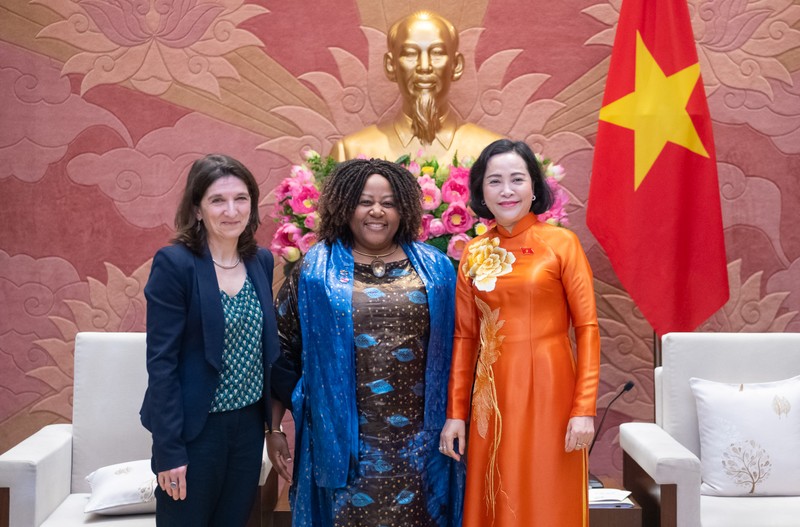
[{"x": 366, "y": 327}]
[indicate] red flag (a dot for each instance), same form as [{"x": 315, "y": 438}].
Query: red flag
[{"x": 654, "y": 200}]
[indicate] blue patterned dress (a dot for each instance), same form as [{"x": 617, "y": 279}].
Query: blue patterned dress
[
  {"x": 371, "y": 358},
  {"x": 390, "y": 322}
]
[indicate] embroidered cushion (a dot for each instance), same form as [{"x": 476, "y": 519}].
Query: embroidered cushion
[
  {"x": 749, "y": 437},
  {"x": 124, "y": 488}
]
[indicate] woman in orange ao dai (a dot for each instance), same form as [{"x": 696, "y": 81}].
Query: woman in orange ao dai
[{"x": 519, "y": 287}]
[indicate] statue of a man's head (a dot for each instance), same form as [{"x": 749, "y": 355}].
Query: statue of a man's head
[{"x": 423, "y": 60}]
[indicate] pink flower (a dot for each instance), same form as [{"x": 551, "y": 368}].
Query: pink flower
[
  {"x": 460, "y": 174},
  {"x": 457, "y": 218},
  {"x": 431, "y": 198},
  {"x": 282, "y": 191},
  {"x": 554, "y": 171},
  {"x": 456, "y": 246},
  {"x": 425, "y": 228},
  {"x": 436, "y": 228},
  {"x": 306, "y": 241},
  {"x": 309, "y": 154},
  {"x": 302, "y": 175},
  {"x": 455, "y": 190},
  {"x": 287, "y": 235},
  {"x": 311, "y": 221},
  {"x": 431, "y": 195},
  {"x": 304, "y": 199},
  {"x": 557, "y": 214}
]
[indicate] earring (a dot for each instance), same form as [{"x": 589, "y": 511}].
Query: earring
[
  {"x": 533, "y": 198},
  {"x": 483, "y": 202}
]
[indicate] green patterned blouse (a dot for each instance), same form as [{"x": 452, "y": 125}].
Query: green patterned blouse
[{"x": 241, "y": 381}]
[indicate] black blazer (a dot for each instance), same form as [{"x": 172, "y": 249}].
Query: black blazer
[{"x": 185, "y": 332}]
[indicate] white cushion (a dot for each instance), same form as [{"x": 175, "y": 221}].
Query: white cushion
[
  {"x": 124, "y": 488},
  {"x": 70, "y": 514},
  {"x": 767, "y": 511},
  {"x": 749, "y": 437}
]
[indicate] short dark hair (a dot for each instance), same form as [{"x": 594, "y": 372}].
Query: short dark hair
[
  {"x": 342, "y": 191},
  {"x": 544, "y": 196},
  {"x": 204, "y": 172}
]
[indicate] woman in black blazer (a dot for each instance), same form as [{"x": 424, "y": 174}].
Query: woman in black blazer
[{"x": 211, "y": 341}]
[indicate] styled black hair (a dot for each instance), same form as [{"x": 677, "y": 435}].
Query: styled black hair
[
  {"x": 544, "y": 196},
  {"x": 342, "y": 191}
]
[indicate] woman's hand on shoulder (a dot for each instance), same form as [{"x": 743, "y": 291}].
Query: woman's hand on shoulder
[{"x": 453, "y": 429}]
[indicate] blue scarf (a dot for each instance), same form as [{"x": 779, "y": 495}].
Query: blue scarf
[{"x": 328, "y": 384}]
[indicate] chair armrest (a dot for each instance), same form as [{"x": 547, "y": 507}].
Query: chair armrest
[
  {"x": 660, "y": 455},
  {"x": 38, "y": 472},
  {"x": 668, "y": 463}
]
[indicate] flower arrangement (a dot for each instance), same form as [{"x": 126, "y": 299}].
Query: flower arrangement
[{"x": 447, "y": 222}]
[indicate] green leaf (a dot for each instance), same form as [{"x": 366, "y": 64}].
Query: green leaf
[
  {"x": 404, "y": 160},
  {"x": 440, "y": 242},
  {"x": 321, "y": 167}
]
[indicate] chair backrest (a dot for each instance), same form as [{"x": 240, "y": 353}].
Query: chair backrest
[
  {"x": 110, "y": 380},
  {"x": 721, "y": 357}
]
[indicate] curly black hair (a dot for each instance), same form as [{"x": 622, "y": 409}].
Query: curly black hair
[
  {"x": 342, "y": 191},
  {"x": 544, "y": 196},
  {"x": 204, "y": 172}
]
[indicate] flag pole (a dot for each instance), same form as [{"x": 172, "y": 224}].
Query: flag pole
[{"x": 656, "y": 350}]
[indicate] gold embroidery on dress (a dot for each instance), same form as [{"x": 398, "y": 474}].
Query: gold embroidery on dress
[{"x": 484, "y": 396}]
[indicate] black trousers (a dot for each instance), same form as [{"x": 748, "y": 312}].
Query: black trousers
[{"x": 222, "y": 475}]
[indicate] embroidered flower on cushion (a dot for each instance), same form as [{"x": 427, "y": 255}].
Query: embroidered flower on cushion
[{"x": 487, "y": 261}]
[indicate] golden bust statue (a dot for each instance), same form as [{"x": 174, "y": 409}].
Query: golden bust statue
[{"x": 423, "y": 60}]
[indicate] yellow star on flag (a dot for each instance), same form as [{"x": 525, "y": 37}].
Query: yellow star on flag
[{"x": 656, "y": 111}]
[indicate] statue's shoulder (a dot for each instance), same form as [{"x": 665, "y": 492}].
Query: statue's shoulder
[
  {"x": 371, "y": 141},
  {"x": 364, "y": 134},
  {"x": 470, "y": 140},
  {"x": 473, "y": 130}
]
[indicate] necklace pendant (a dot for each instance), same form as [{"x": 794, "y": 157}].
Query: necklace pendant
[{"x": 378, "y": 268}]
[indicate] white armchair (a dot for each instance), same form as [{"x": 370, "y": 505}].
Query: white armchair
[
  {"x": 45, "y": 473},
  {"x": 661, "y": 460}
]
